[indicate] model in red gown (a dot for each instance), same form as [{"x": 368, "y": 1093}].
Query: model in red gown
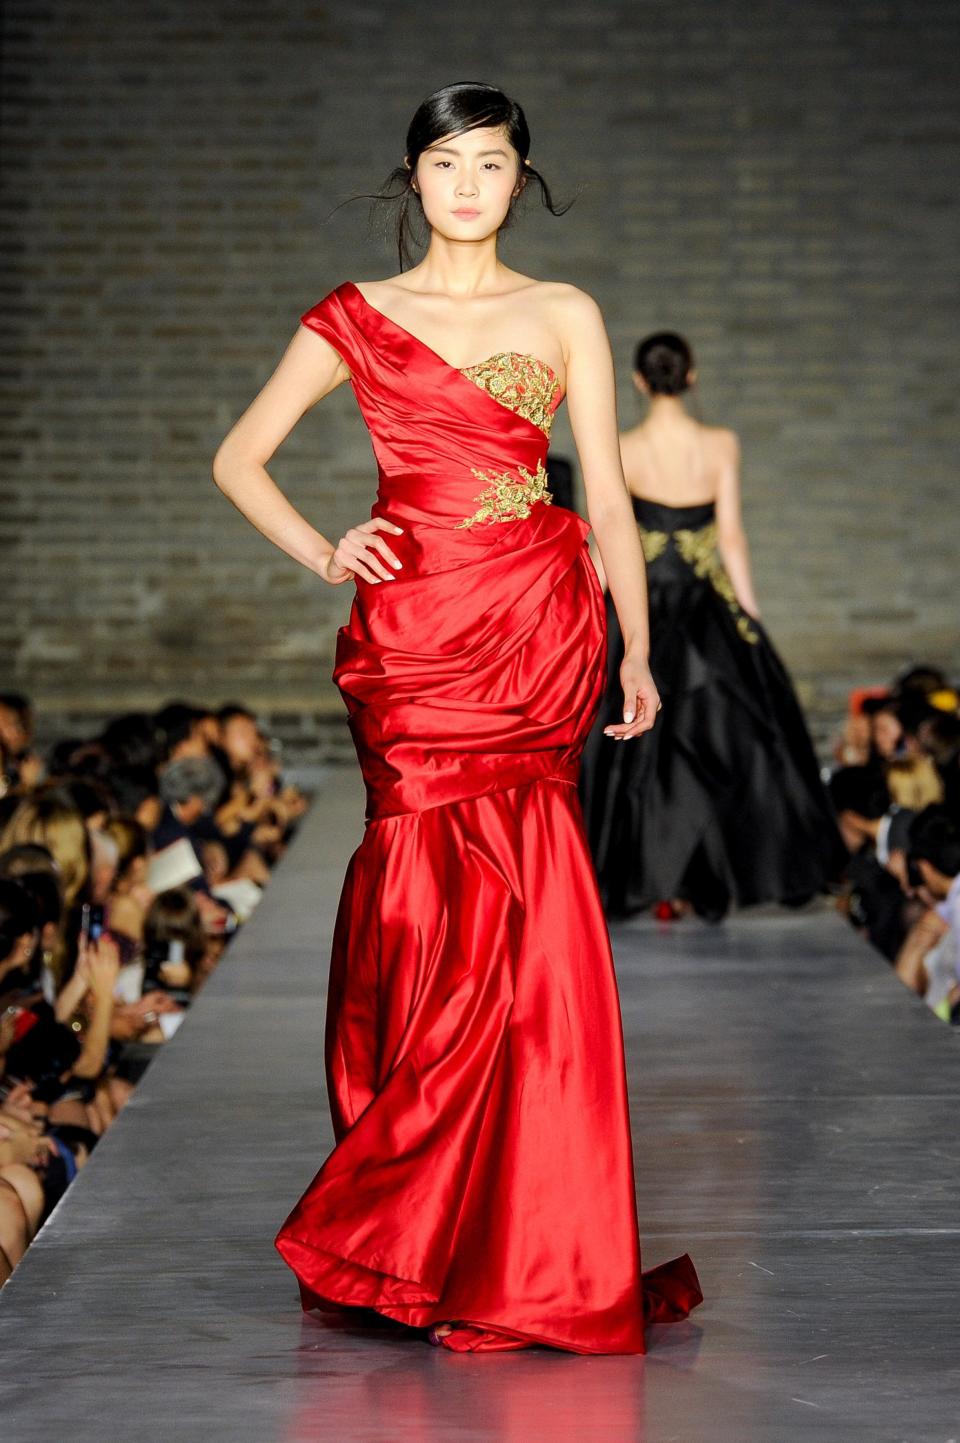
[{"x": 483, "y": 1170}]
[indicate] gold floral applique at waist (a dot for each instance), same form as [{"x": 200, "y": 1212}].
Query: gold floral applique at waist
[
  {"x": 699, "y": 549},
  {"x": 507, "y": 498}
]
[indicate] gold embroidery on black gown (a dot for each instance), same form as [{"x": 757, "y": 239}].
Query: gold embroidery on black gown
[
  {"x": 528, "y": 386},
  {"x": 520, "y": 382},
  {"x": 700, "y": 551},
  {"x": 654, "y": 543},
  {"x": 698, "y": 548}
]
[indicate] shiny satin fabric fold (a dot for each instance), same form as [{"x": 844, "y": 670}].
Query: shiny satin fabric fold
[
  {"x": 474, "y": 1055},
  {"x": 484, "y": 1166}
]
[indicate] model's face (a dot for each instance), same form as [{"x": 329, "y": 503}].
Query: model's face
[{"x": 466, "y": 183}]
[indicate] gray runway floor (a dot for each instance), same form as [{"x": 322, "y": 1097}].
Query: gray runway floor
[{"x": 795, "y": 1124}]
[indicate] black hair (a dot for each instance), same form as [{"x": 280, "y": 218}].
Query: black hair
[
  {"x": 935, "y": 838},
  {"x": 43, "y": 885},
  {"x": 174, "y": 723},
  {"x": 665, "y": 361},
  {"x": 76, "y": 757},
  {"x": 15, "y": 701},
  {"x": 941, "y": 736},
  {"x": 912, "y": 709},
  {"x": 231, "y": 709},
  {"x": 132, "y": 785},
  {"x": 861, "y": 790},
  {"x": 922, "y": 678},
  {"x": 452, "y": 110},
  {"x": 85, "y": 795},
  {"x": 45, "y": 889},
  {"x": 131, "y": 740},
  {"x": 174, "y": 916},
  {"x": 19, "y": 913}
]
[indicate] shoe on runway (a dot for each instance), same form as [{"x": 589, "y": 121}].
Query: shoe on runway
[{"x": 464, "y": 1338}]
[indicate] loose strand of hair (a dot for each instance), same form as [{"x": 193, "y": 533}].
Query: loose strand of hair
[{"x": 546, "y": 196}]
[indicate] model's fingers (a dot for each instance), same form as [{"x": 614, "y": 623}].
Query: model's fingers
[
  {"x": 380, "y": 523},
  {"x": 359, "y": 559},
  {"x": 358, "y": 569},
  {"x": 621, "y": 732},
  {"x": 358, "y": 542},
  {"x": 384, "y": 550},
  {"x": 372, "y": 560},
  {"x": 649, "y": 699}
]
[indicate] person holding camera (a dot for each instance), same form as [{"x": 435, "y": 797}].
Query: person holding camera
[{"x": 929, "y": 960}]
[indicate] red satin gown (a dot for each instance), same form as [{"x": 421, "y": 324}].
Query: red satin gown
[{"x": 483, "y": 1169}]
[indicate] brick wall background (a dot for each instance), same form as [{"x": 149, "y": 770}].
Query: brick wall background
[{"x": 777, "y": 180}]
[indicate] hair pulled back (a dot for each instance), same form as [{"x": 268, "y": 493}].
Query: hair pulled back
[
  {"x": 934, "y": 838},
  {"x": 452, "y": 110},
  {"x": 665, "y": 361}
]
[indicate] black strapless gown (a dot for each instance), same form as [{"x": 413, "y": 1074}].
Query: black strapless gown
[{"x": 722, "y": 802}]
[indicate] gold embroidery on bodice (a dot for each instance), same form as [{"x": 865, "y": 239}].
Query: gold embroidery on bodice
[
  {"x": 654, "y": 543},
  {"x": 507, "y": 498},
  {"x": 520, "y": 382},
  {"x": 698, "y": 548}
]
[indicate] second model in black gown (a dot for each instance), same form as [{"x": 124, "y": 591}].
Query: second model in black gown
[{"x": 722, "y": 801}]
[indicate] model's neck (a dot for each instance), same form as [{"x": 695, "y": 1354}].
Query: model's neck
[
  {"x": 666, "y": 408},
  {"x": 459, "y": 268}
]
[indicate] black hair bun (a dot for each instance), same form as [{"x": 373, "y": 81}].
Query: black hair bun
[{"x": 665, "y": 361}]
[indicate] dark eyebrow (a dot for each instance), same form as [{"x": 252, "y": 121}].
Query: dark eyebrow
[{"x": 452, "y": 150}]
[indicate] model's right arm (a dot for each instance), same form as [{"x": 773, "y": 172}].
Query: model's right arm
[
  {"x": 731, "y": 537},
  {"x": 309, "y": 369}
]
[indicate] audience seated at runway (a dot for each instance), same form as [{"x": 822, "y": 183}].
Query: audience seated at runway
[
  {"x": 127, "y": 861},
  {"x": 897, "y": 793},
  {"x": 170, "y": 823}
]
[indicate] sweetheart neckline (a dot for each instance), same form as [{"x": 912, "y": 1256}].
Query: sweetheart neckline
[{"x": 458, "y": 370}]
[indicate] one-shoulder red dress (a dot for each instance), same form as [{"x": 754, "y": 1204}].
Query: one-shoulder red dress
[{"x": 483, "y": 1169}]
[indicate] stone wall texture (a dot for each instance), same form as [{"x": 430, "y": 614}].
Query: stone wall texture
[{"x": 777, "y": 180}]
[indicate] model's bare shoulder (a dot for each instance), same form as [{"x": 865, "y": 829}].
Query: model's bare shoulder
[
  {"x": 370, "y": 289},
  {"x": 567, "y": 299},
  {"x": 573, "y": 315},
  {"x": 724, "y": 442}
]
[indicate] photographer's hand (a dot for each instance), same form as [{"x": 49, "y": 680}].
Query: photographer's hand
[
  {"x": 74, "y": 990},
  {"x": 102, "y": 963}
]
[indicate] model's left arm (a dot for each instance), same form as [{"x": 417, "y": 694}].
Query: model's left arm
[{"x": 592, "y": 407}]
